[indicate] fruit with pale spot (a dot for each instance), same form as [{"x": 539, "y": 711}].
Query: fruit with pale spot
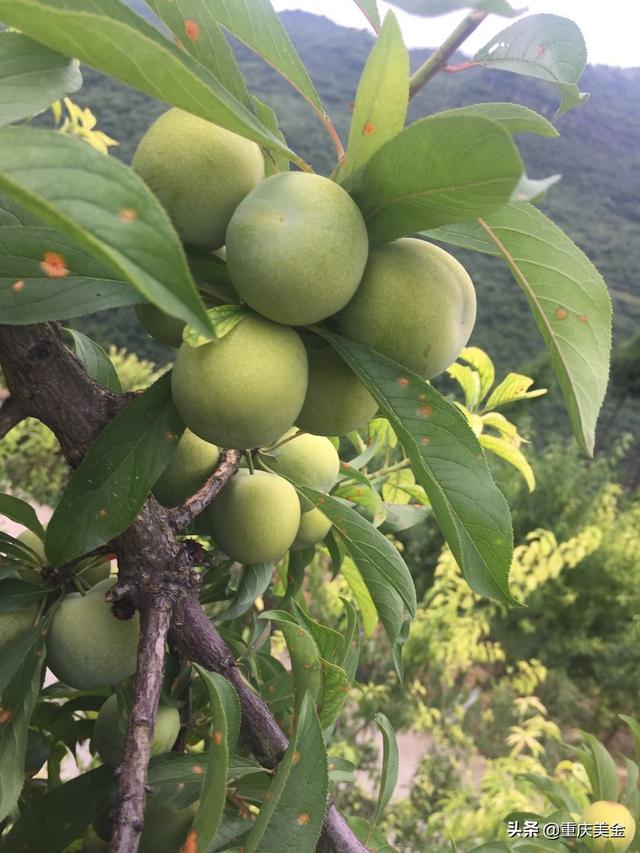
[
  {"x": 296, "y": 248},
  {"x": 244, "y": 390},
  {"x": 87, "y": 646},
  {"x": 416, "y": 305},
  {"x": 255, "y": 517},
  {"x": 200, "y": 173}
]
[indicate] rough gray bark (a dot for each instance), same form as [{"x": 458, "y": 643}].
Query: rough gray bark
[{"x": 46, "y": 381}]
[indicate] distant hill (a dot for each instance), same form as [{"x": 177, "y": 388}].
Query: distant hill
[{"x": 598, "y": 155}]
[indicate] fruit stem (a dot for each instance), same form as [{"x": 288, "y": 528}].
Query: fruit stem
[
  {"x": 249, "y": 457},
  {"x": 440, "y": 57},
  {"x": 278, "y": 444}
]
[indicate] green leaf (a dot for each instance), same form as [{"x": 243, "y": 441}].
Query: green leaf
[
  {"x": 335, "y": 692},
  {"x": 369, "y": 9},
  {"x": 107, "y": 35},
  {"x": 32, "y": 77},
  {"x": 110, "y": 212},
  {"x": 469, "y": 381},
  {"x": 256, "y": 24},
  {"x": 15, "y": 653},
  {"x": 634, "y": 725},
  {"x": 341, "y": 770},
  {"x": 556, "y": 793},
  {"x": 17, "y": 595},
  {"x": 601, "y": 769},
  {"x": 431, "y": 8},
  {"x": 363, "y": 599},
  {"x": 18, "y": 701},
  {"x": 442, "y": 169},
  {"x": 480, "y": 361},
  {"x": 109, "y": 488},
  {"x": 16, "y": 551},
  {"x": 448, "y": 462},
  {"x": 95, "y": 361},
  {"x": 303, "y": 651},
  {"x": 50, "y": 823},
  {"x": 532, "y": 189},
  {"x": 254, "y": 581},
  {"x": 568, "y": 298},
  {"x": 390, "y": 764},
  {"x": 371, "y": 836},
  {"x": 274, "y": 162},
  {"x": 363, "y": 494},
  {"x": 214, "y": 787},
  {"x": 21, "y": 512},
  {"x": 403, "y": 517},
  {"x": 382, "y": 98},
  {"x": 351, "y": 650},
  {"x": 546, "y": 47},
  {"x": 631, "y": 796},
  {"x": 29, "y": 295},
  {"x": 291, "y": 817},
  {"x": 513, "y": 117},
  {"x": 330, "y": 643},
  {"x": 197, "y": 32},
  {"x": 510, "y": 453},
  {"x": 222, "y": 318},
  {"x": 514, "y": 387}
]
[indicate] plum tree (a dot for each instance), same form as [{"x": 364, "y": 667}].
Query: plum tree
[
  {"x": 256, "y": 517},
  {"x": 193, "y": 461},
  {"x": 160, "y": 325},
  {"x": 314, "y": 526},
  {"x": 310, "y": 460},
  {"x": 244, "y": 390},
  {"x": 199, "y": 171},
  {"x": 606, "y": 811},
  {"x": 87, "y": 646},
  {"x": 111, "y": 727},
  {"x": 296, "y": 248},
  {"x": 416, "y": 304},
  {"x": 15, "y": 623},
  {"x": 336, "y": 401}
]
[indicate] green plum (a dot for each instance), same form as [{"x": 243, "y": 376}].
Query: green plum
[
  {"x": 193, "y": 461},
  {"x": 606, "y": 811},
  {"x": 310, "y": 460},
  {"x": 200, "y": 173},
  {"x": 244, "y": 390},
  {"x": 416, "y": 304},
  {"x": 296, "y": 248},
  {"x": 314, "y": 526},
  {"x": 165, "y": 831},
  {"x": 255, "y": 517},
  {"x": 87, "y": 646},
  {"x": 336, "y": 402},
  {"x": 161, "y": 326},
  {"x": 111, "y": 729}
]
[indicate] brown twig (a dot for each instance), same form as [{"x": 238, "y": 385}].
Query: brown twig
[
  {"x": 155, "y": 619},
  {"x": 183, "y": 515},
  {"x": 155, "y": 571},
  {"x": 439, "y": 58},
  {"x": 10, "y": 415}
]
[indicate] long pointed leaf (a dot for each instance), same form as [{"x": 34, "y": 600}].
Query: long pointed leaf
[
  {"x": 105, "y": 208},
  {"x": 448, "y": 462},
  {"x": 568, "y": 298}
]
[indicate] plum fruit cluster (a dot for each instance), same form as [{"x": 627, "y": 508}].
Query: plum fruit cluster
[{"x": 297, "y": 254}]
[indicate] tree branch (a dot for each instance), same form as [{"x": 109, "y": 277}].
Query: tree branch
[
  {"x": 155, "y": 572},
  {"x": 155, "y": 619},
  {"x": 439, "y": 58},
  {"x": 199, "y": 641},
  {"x": 181, "y": 516},
  {"x": 10, "y": 415}
]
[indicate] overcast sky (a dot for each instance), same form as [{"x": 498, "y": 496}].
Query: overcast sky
[{"x": 611, "y": 27}]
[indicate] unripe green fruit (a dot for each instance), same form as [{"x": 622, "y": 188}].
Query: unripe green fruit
[
  {"x": 337, "y": 402},
  {"x": 244, "y": 390},
  {"x": 91, "y": 569},
  {"x": 200, "y": 173},
  {"x": 193, "y": 461},
  {"x": 296, "y": 248},
  {"x": 255, "y": 517},
  {"x": 87, "y": 646},
  {"x": 605, "y": 811},
  {"x": 416, "y": 304},
  {"x": 161, "y": 326},
  {"x": 29, "y": 538},
  {"x": 314, "y": 526},
  {"x": 15, "y": 623},
  {"x": 111, "y": 727},
  {"x": 165, "y": 831},
  {"x": 310, "y": 460}
]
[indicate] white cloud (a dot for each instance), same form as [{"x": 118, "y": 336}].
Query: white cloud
[{"x": 610, "y": 28}]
